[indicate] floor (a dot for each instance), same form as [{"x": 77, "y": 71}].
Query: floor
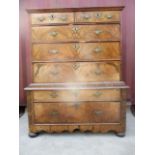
[{"x": 77, "y": 143}]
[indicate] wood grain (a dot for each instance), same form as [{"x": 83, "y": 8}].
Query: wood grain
[
  {"x": 76, "y": 51},
  {"x": 50, "y": 18},
  {"x": 77, "y": 95},
  {"x": 74, "y": 33},
  {"x": 77, "y": 112},
  {"x": 71, "y": 109},
  {"x": 76, "y": 72},
  {"x": 97, "y": 16},
  {"x": 128, "y": 33}
]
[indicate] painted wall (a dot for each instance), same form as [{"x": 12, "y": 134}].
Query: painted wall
[{"x": 128, "y": 23}]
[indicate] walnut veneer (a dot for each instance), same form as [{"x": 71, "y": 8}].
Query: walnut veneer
[{"x": 76, "y": 71}]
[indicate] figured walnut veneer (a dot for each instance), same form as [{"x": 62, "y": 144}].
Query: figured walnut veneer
[{"x": 76, "y": 68}]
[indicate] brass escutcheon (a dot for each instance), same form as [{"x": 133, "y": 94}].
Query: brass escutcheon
[
  {"x": 63, "y": 18},
  {"x": 98, "y": 15},
  {"x": 76, "y": 66}
]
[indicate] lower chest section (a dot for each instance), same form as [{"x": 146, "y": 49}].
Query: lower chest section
[{"x": 76, "y": 105}]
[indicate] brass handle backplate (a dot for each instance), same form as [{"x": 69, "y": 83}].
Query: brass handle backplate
[
  {"x": 97, "y": 32},
  {"x": 98, "y": 72},
  {"x": 54, "y": 95},
  {"x": 54, "y": 72},
  {"x": 97, "y": 50},
  {"x": 86, "y": 16},
  {"x": 63, "y": 18},
  {"x": 54, "y": 113},
  {"x": 97, "y": 94},
  {"x": 109, "y": 16},
  {"x": 53, "y": 33},
  {"x": 98, "y": 112},
  {"x": 41, "y": 19},
  {"x": 53, "y": 51}
]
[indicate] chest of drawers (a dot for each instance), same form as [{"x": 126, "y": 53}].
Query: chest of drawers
[{"x": 76, "y": 62}]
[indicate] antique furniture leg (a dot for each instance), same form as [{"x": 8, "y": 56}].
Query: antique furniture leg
[
  {"x": 120, "y": 134},
  {"x": 32, "y": 135}
]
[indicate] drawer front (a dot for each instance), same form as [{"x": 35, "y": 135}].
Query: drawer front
[
  {"x": 74, "y": 51},
  {"x": 77, "y": 112},
  {"x": 52, "y": 33},
  {"x": 79, "y": 32},
  {"x": 98, "y": 16},
  {"x": 76, "y": 72},
  {"x": 52, "y": 18},
  {"x": 77, "y": 95},
  {"x": 97, "y": 32}
]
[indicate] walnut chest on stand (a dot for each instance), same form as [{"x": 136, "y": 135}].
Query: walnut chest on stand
[{"x": 76, "y": 61}]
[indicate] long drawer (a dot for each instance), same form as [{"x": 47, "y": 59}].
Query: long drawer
[
  {"x": 107, "y": 32},
  {"x": 77, "y": 95},
  {"x": 76, "y": 51},
  {"x": 77, "y": 112},
  {"x": 76, "y": 72}
]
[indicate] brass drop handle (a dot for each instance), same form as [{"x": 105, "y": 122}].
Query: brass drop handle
[
  {"x": 53, "y": 51},
  {"x": 63, "y": 18},
  {"x": 109, "y": 16},
  {"x": 86, "y": 16},
  {"x": 98, "y": 72},
  {"x": 54, "y": 113},
  {"x": 51, "y": 17},
  {"x": 98, "y": 15},
  {"x": 75, "y": 29},
  {"x": 97, "y": 50},
  {"x": 76, "y": 66},
  {"x": 41, "y": 19},
  {"x": 98, "y": 32},
  {"x": 98, "y": 112},
  {"x": 53, "y": 33},
  {"x": 54, "y": 95},
  {"x": 97, "y": 94},
  {"x": 55, "y": 72}
]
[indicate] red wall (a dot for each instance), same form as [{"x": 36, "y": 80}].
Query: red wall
[{"x": 127, "y": 27}]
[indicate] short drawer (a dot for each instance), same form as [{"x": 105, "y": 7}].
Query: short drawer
[
  {"x": 76, "y": 72},
  {"x": 76, "y": 51},
  {"x": 52, "y": 18},
  {"x": 82, "y": 33},
  {"x": 97, "y": 16},
  {"x": 77, "y": 95},
  {"x": 77, "y": 112}
]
